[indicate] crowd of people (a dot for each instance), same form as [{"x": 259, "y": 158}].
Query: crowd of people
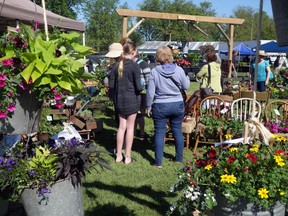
[{"x": 137, "y": 91}]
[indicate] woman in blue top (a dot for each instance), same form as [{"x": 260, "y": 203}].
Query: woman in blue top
[
  {"x": 263, "y": 73},
  {"x": 166, "y": 102}
]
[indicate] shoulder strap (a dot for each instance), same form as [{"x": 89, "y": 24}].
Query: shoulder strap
[{"x": 209, "y": 76}]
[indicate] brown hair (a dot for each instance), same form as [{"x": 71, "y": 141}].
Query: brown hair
[
  {"x": 128, "y": 48},
  {"x": 211, "y": 56},
  {"x": 164, "y": 55}
]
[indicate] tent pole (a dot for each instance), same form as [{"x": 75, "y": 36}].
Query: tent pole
[
  {"x": 258, "y": 44},
  {"x": 45, "y": 20}
]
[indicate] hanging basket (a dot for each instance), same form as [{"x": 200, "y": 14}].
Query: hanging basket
[{"x": 26, "y": 116}]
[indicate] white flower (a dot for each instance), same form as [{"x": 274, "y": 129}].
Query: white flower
[
  {"x": 191, "y": 189},
  {"x": 187, "y": 194},
  {"x": 172, "y": 208}
]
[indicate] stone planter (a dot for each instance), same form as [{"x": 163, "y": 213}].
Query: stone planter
[
  {"x": 64, "y": 200},
  {"x": 26, "y": 116},
  {"x": 244, "y": 208}
]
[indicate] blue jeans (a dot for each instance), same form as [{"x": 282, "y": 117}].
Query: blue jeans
[{"x": 174, "y": 112}]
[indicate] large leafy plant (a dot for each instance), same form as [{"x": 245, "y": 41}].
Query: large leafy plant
[
  {"x": 49, "y": 68},
  {"x": 254, "y": 172}
]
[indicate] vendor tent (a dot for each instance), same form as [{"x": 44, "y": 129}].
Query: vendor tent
[
  {"x": 242, "y": 50},
  {"x": 273, "y": 47},
  {"x": 26, "y": 10}
]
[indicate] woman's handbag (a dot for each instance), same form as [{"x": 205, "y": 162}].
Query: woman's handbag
[
  {"x": 207, "y": 90},
  {"x": 183, "y": 92}
]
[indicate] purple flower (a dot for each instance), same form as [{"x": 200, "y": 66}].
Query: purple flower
[
  {"x": 73, "y": 142},
  {"x": 31, "y": 172},
  {"x": 1, "y": 160},
  {"x": 43, "y": 191}
]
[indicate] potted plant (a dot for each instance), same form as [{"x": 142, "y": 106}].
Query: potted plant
[
  {"x": 248, "y": 179},
  {"x": 34, "y": 67},
  {"x": 39, "y": 174}
]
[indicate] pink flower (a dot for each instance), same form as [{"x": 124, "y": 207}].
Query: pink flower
[
  {"x": 2, "y": 84},
  {"x": 2, "y": 114},
  {"x": 23, "y": 85},
  {"x": 2, "y": 77},
  {"x": 59, "y": 105},
  {"x": 58, "y": 96},
  {"x": 9, "y": 94},
  {"x": 11, "y": 108},
  {"x": 246, "y": 170},
  {"x": 53, "y": 90},
  {"x": 7, "y": 62}
]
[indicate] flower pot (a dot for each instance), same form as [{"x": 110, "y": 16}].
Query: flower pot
[
  {"x": 26, "y": 116},
  {"x": 3, "y": 206},
  {"x": 64, "y": 200},
  {"x": 244, "y": 208}
]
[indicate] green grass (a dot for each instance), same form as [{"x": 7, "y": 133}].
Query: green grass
[{"x": 135, "y": 189}]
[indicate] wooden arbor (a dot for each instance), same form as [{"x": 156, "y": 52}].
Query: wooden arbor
[{"x": 125, "y": 13}]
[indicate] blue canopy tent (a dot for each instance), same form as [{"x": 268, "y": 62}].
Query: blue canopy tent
[
  {"x": 242, "y": 50},
  {"x": 273, "y": 47}
]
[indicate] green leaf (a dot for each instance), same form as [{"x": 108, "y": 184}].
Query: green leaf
[
  {"x": 41, "y": 66},
  {"x": 26, "y": 73},
  {"x": 53, "y": 71},
  {"x": 45, "y": 80},
  {"x": 65, "y": 84}
]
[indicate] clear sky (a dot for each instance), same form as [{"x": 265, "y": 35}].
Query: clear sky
[{"x": 223, "y": 8}]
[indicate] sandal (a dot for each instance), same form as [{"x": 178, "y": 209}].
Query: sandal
[
  {"x": 120, "y": 159},
  {"x": 129, "y": 159}
]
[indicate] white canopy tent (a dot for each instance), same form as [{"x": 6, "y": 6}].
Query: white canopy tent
[{"x": 26, "y": 10}]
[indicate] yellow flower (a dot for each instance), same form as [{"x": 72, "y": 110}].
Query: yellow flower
[
  {"x": 225, "y": 170},
  {"x": 233, "y": 149},
  {"x": 255, "y": 145},
  {"x": 254, "y": 149},
  {"x": 263, "y": 193},
  {"x": 282, "y": 193},
  {"x": 279, "y": 160},
  {"x": 228, "y": 179},
  {"x": 208, "y": 167},
  {"x": 231, "y": 179},
  {"x": 224, "y": 178},
  {"x": 228, "y": 136}
]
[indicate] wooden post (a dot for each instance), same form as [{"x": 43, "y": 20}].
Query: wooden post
[
  {"x": 124, "y": 26},
  {"x": 230, "y": 48},
  {"x": 45, "y": 20}
]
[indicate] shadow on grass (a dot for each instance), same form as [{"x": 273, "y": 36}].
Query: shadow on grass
[
  {"x": 108, "y": 210},
  {"x": 159, "y": 204}
]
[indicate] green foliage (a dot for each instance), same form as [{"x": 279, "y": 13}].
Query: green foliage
[
  {"x": 256, "y": 173},
  {"x": 194, "y": 58},
  {"x": 50, "y": 127},
  {"x": 66, "y": 8},
  {"x": 278, "y": 87}
]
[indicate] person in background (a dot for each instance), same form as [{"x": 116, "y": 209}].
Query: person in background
[
  {"x": 263, "y": 73},
  {"x": 166, "y": 102},
  {"x": 234, "y": 63},
  {"x": 125, "y": 83},
  {"x": 203, "y": 74},
  {"x": 145, "y": 72},
  {"x": 115, "y": 51},
  {"x": 276, "y": 64}
]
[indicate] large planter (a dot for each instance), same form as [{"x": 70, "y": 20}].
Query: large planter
[
  {"x": 64, "y": 200},
  {"x": 244, "y": 208},
  {"x": 26, "y": 116}
]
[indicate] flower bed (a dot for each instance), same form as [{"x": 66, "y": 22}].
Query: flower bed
[{"x": 254, "y": 172}]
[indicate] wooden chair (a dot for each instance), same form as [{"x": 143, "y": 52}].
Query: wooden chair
[
  {"x": 211, "y": 106},
  {"x": 242, "y": 108},
  {"x": 261, "y": 97},
  {"x": 277, "y": 109}
]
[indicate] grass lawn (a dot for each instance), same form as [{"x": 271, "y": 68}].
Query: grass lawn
[{"x": 135, "y": 189}]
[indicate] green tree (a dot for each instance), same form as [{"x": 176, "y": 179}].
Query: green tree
[
  {"x": 67, "y": 8},
  {"x": 158, "y": 29},
  {"x": 103, "y": 24},
  {"x": 248, "y": 31}
]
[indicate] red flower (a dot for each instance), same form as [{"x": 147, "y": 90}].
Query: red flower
[
  {"x": 201, "y": 163},
  {"x": 252, "y": 157},
  {"x": 212, "y": 153},
  {"x": 231, "y": 159},
  {"x": 279, "y": 151}
]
